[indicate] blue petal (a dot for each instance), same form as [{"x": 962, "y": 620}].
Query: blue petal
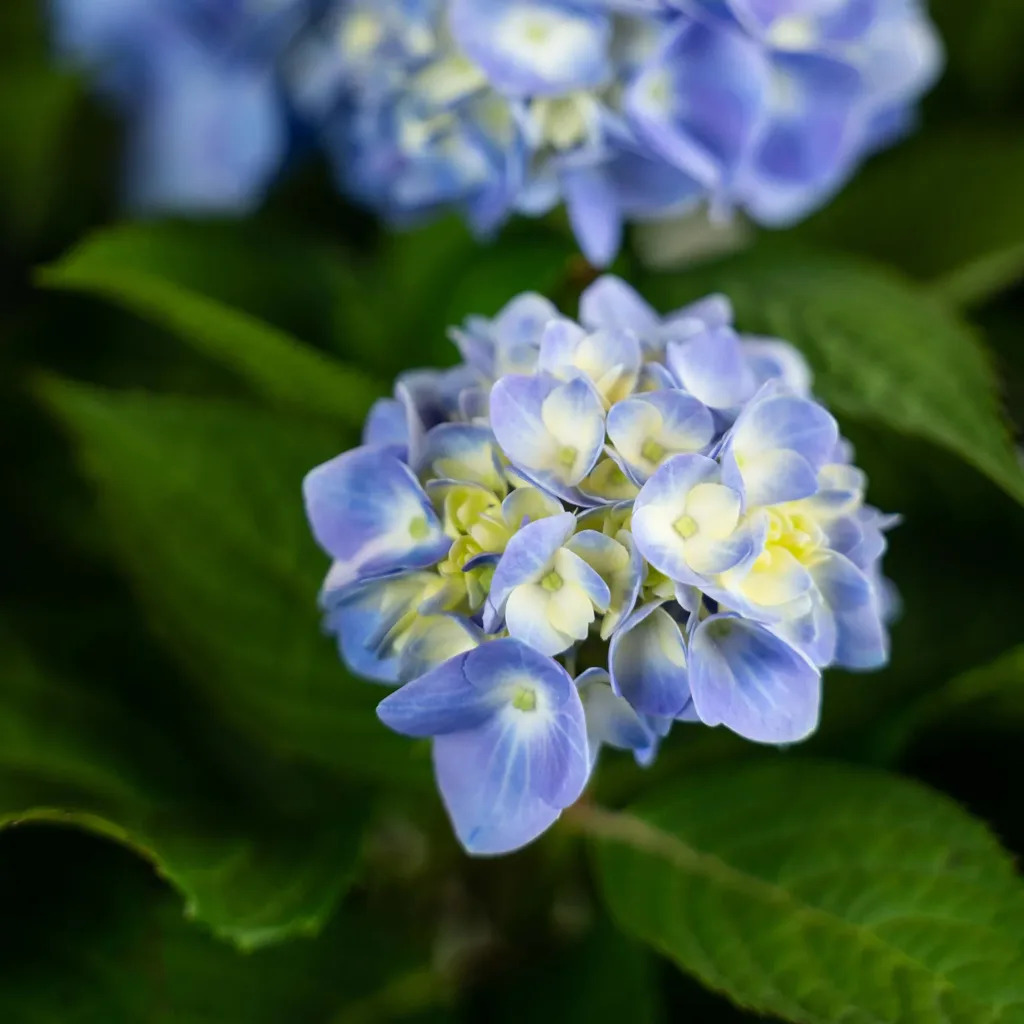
[
  {"x": 363, "y": 615},
  {"x": 709, "y": 313},
  {"x": 862, "y": 641},
  {"x": 647, "y": 658},
  {"x": 510, "y": 342},
  {"x": 774, "y": 422},
  {"x": 772, "y": 477},
  {"x": 808, "y": 146},
  {"x": 700, "y": 101},
  {"x": 752, "y": 682},
  {"x": 710, "y": 365},
  {"x": 370, "y": 514},
  {"x": 610, "y": 719},
  {"x": 187, "y": 99},
  {"x": 661, "y": 502},
  {"x": 435, "y": 639},
  {"x": 771, "y": 359},
  {"x": 592, "y": 202},
  {"x": 611, "y": 304},
  {"x": 505, "y": 781},
  {"x": 463, "y": 452},
  {"x": 648, "y": 428},
  {"x": 387, "y": 427},
  {"x": 527, "y": 555},
  {"x": 485, "y": 827},
  {"x": 533, "y": 47},
  {"x": 440, "y": 702},
  {"x": 624, "y": 577},
  {"x": 553, "y": 432}
]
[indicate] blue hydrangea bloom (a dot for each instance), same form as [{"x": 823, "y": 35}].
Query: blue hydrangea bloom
[
  {"x": 588, "y": 531},
  {"x": 620, "y": 110},
  {"x": 199, "y": 86}
]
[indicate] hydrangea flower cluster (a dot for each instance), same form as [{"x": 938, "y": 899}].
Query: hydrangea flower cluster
[
  {"x": 585, "y": 532},
  {"x": 199, "y": 84},
  {"x": 622, "y": 109}
]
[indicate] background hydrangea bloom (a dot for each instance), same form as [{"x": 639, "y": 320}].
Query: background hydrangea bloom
[
  {"x": 654, "y": 506},
  {"x": 620, "y": 109},
  {"x": 198, "y": 84}
]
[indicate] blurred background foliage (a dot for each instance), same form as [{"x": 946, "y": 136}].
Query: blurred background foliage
[{"x": 204, "y": 820}]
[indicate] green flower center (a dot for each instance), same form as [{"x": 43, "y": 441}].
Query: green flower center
[
  {"x": 525, "y": 699},
  {"x": 552, "y": 582},
  {"x": 686, "y": 526},
  {"x": 652, "y": 451}
]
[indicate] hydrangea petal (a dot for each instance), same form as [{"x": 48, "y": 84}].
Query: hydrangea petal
[
  {"x": 747, "y": 679},
  {"x": 611, "y": 304},
  {"x": 435, "y": 639},
  {"x": 647, "y": 659},
  {"x": 528, "y": 554},
  {"x": 712, "y": 368},
  {"x": 553, "y": 432},
  {"x": 862, "y": 642},
  {"x": 610, "y": 719},
  {"x": 461, "y": 451},
  {"x": 363, "y": 614},
  {"x": 442, "y": 701},
  {"x": 648, "y": 428},
  {"x": 369, "y": 513},
  {"x": 387, "y": 427},
  {"x": 533, "y": 47}
]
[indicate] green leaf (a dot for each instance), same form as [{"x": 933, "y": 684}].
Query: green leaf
[
  {"x": 992, "y": 694},
  {"x": 37, "y": 106},
  {"x": 444, "y": 275},
  {"x": 104, "y": 944},
  {"x": 252, "y": 874},
  {"x": 203, "y": 504},
  {"x": 161, "y": 272},
  {"x": 981, "y": 43},
  {"x": 944, "y": 207},
  {"x": 819, "y": 893},
  {"x": 881, "y": 349}
]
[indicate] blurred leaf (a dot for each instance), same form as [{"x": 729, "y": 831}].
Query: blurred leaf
[
  {"x": 983, "y": 279},
  {"x": 158, "y": 272},
  {"x": 819, "y": 893},
  {"x": 104, "y": 944},
  {"x": 431, "y": 279},
  {"x": 992, "y": 694},
  {"x": 37, "y": 105},
  {"x": 251, "y": 874},
  {"x": 881, "y": 349},
  {"x": 203, "y": 500},
  {"x": 604, "y": 976},
  {"x": 939, "y": 206},
  {"x": 982, "y": 40}
]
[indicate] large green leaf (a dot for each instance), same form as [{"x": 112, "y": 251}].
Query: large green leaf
[
  {"x": 105, "y": 944},
  {"x": 251, "y": 873},
  {"x": 821, "y": 893},
  {"x": 203, "y": 504},
  {"x": 945, "y": 207},
  {"x": 881, "y": 349},
  {"x": 163, "y": 273}
]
